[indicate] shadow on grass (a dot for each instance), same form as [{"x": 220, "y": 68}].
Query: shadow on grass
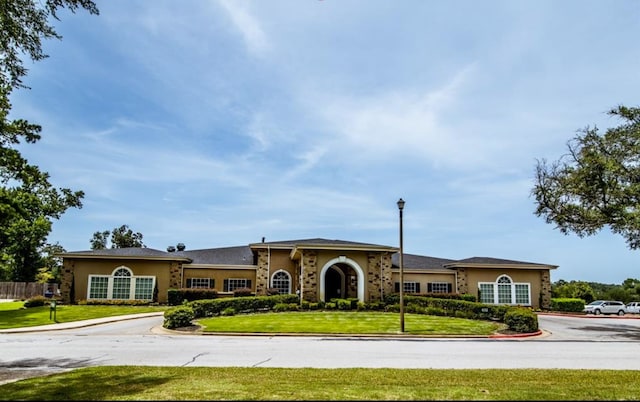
[{"x": 81, "y": 385}]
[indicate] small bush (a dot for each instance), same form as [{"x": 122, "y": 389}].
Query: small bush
[
  {"x": 435, "y": 311},
  {"x": 272, "y": 292},
  {"x": 37, "y": 301},
  {"x": 242, "y": 292},
  {"x": 521, "y": 320},
  {"x": 178, "y": 317},
  {"x": 228, "y": 311},
  {"x": 343, "y": 304},
  {"x": 280, "y": 307}
]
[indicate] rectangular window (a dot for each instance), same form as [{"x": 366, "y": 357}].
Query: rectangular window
[
  {"x": 200, "y": 283},
  {"x": 144, "y": 288},
  {"x": 504, "y": 293},
  {"x": 98, "y": 286},
  {"x": 232, "y": 284},
  {"x": 412, "y": 287},
  {"x": 439, "y": 287},
  {"x": 522, "y": 294},
  {"x": 486, "y": 293},
  {"x": 121, "y": 287}
]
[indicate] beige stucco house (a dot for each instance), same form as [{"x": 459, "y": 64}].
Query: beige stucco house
[{"x": 316, "y": 269}]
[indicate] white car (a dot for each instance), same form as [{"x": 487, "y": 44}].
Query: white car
[
  {"x": 633, "y": 307},
  {"x": 605, "y": 307}
]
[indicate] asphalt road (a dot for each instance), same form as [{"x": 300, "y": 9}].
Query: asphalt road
[{"x": 566, "y": 342}]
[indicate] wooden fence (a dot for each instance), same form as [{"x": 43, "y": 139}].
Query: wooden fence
[{"x": 25, "y": 290}]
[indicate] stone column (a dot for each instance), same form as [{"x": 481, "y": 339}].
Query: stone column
[
  {"x": 309, "y": 276},
  {"x": 262, "y": 272},
  {"x": 66, "y": 282},
  {"x": 462, "y": 285},
  {"x": 545, "y": 290}
]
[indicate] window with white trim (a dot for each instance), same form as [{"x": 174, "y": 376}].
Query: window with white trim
[
  {"x": 200, "y": 283},
  {"x": 439, "y": 287},
  {"x": 505, "y": 291},
  {"x": 281, "y": 280},
  {"x": 232, "y": 284},
  {"x": 409, "y": 287},
  {"x": 121, "y": 285}
]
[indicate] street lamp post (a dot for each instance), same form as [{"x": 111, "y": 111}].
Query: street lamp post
[{"x": 401, "y": 207}]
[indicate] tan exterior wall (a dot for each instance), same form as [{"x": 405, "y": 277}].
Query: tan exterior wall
[
  {"x": 78, "y": 271},
  {"x": 280, "y": 260},
  {"x": 219, "y": 275},
  {"x": 423, "y": 278},
  {"x": 305, "y": 273},
  {"x": 533, "y": 277}
]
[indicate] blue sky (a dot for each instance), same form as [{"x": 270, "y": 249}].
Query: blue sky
[{"x": 217, "y": 123}]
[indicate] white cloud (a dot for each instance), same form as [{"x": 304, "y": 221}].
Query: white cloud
[{"x": 248, "y": 25}]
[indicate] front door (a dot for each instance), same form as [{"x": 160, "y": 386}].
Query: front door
[{"x": 333, "y": 285}]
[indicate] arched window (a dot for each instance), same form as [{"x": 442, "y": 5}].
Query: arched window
[
  {"x": 122, "y": 285},
  {"x": 505, "y": 291},
  {"x": 281, "y": 280}
]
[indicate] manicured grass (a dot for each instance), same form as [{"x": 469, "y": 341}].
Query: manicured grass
[
  {"x": 351, "y": 322},
  {"x": 229, "y": 383},
  {"x": 14, "y": 315}
]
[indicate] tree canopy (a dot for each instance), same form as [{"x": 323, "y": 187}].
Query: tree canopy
[
  {"x": 121, "y": 237},
  {"x": 28, "y": 201},
  {"x": 597, "y": 183}
]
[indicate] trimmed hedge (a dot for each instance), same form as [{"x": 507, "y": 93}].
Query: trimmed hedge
[
  {"x": 518, "y": 319},
  {"x": 570, "y": 305},
  {"x": 176, "y": 297}
]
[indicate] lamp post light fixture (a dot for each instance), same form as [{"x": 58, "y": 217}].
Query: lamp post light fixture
[{"x": 400, "y": 208}]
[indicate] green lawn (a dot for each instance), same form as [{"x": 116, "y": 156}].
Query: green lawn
[
  {"x": 230, "y": 383},
  {"x": 350, "y": 322},
  {"x": 14, "y": 315}
]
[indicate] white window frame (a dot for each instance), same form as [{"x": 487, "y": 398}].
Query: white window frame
[
  {"x": 440, "y": 287},
  {"x": 235, "y": 282},
  {"x": 288, "y": 280},
  {"x": 201, "y": 283},
  {"x": 505, "y": 291},
  {"x": 410, "y": 287},
  {"x": 118, "y": 274}
]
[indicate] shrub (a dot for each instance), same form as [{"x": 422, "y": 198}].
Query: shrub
[
  {"x": 176, "y": 297},
  {"x": 242, "y": 292},
  {"x": 280, "y": 307},
  {"x": 571, "y": 305},
  {"x": 114, "y": 302},
  {"x": 343, "y": 304},
  {"x": 435, "y": 311},
  {"x": 36, "y": 301},
  {"x": 272, "y": 292},
  {"x": 521, "y": 320},
  {"x": 228, "y": 311},
  {"x": 178, "y": 317}
]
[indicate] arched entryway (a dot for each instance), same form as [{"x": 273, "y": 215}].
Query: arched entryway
[
  {"x": 343, "y": 278},
  {"x": 334, "y": 283}
]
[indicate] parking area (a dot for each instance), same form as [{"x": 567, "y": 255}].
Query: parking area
[{"x": 590, "y": 328}]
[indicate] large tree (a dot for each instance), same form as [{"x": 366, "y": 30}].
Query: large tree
[
  {"x": 28, "y": 201},
  {"x": 596, "y": 184},
  {"x": 121, "y": 237}
]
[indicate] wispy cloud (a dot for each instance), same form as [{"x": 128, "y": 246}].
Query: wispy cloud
[{"x": 248, "y": 26}]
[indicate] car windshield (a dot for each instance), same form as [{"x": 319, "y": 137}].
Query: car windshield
[{"x": 596, "y": 302}]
